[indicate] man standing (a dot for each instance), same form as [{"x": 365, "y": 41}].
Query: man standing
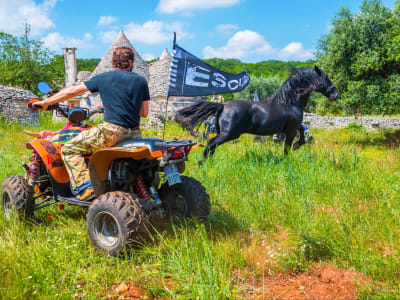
[{"x": 125, "y": 98}]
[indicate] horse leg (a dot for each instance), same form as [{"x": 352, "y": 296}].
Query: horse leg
[
  {"x": 302, "y": 140},
  {"x": 290, "y": 135},
  {"x": 212, "y": 144},
  {"x": 207, "y": 149}
]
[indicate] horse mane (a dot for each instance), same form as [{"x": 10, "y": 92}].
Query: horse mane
[{"x": 297, "y": 79}]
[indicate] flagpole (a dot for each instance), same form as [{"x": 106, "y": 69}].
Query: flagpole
[{"x": 166, "y": 108}]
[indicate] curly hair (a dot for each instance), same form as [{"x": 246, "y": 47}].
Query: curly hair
[{"x": 122, "y": 57}]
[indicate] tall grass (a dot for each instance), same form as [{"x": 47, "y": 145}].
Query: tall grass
[{"x": 338, "y": 201}]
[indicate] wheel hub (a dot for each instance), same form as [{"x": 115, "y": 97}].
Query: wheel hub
[
  {"x": 6, "y": 202},
  {"x": 106, "y": 229}
]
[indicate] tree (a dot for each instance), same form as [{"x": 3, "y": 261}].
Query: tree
[
  {"x": 265, "y": 87},
  {"x": 23, "y": 62},
  {"x": 361, "y": 56}
]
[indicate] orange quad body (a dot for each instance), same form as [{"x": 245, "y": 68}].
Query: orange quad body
[{"x": 149, "y": 150}]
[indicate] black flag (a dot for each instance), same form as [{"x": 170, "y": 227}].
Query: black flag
[{"x": 190, "y": 76}]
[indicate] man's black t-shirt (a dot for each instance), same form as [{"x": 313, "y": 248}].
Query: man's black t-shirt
[{"x": 122, "y": 94}]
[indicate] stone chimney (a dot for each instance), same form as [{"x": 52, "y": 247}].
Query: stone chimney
[{"x": 70, "y": 66}]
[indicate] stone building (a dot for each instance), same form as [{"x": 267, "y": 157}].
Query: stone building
[
  {"x": 159, "y": 76},
  {"x": 13, "y": 106}
]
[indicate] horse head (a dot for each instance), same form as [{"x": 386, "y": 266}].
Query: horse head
[{"x": 324, "y": 85}]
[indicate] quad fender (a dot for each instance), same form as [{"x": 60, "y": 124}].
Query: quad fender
[
  {"x": 51, "y": 157},
  {"x": 54, "y": 164},
  {"x": 101, "y": 160}
]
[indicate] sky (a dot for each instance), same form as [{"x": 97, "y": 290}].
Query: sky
[{"x": 248, "y": 30}]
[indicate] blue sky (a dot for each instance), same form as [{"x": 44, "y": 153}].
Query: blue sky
[{"x": 249, "y": 30}]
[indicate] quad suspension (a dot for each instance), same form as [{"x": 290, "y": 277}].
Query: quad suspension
[
  {"x": 141, "y": 188},
  {"x": 145, "y": 193},
  {"x": 34, "y": 166}
]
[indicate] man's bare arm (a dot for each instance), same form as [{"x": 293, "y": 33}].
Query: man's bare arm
[
  {"x": 62, "y": 95},
  {"x": 144, "y": 109}
]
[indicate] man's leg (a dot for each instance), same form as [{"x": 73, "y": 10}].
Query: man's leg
[
  {"x": 73, "y": 152},
  {"x": 102, "y": 136}
]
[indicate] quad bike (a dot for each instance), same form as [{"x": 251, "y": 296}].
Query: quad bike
[{"x": 125, "y": 178}]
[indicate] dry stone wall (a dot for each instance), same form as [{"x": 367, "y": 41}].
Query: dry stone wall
[
  {"x": 13, "y": 106},
  {"x": 315, "y": 121},
  {"x": 158, "y": 110}
]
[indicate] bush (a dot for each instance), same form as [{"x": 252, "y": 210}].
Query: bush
[{"x": 354, "y": 127}]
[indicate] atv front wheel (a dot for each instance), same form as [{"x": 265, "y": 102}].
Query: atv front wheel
[
  {"x": 186, "y": 199},
  {"x": 17, "y": 195},
  {"x": 115, "y": 220}
]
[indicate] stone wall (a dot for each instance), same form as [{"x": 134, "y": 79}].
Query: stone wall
[
  {"x": 314, "y": 121},
  {"x": 157, "y": 110},
  {"x": 13, "y": 106}
]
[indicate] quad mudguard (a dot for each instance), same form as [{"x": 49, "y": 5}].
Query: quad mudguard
[
  {"x": 55, "y": 166},
  {"x": 101, "y": 160}
]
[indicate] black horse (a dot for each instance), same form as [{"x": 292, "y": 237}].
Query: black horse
[{"x": 283, "y": 112}]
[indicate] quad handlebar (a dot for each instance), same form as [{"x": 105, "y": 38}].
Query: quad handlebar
[{"x": 64, "y": 110}]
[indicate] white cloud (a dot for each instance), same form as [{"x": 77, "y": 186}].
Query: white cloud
[
  {"x": 15, "y": 13},
  {"x": 246, "y": 44},
  {"x": 147, "y": 56},
  {"x": 108, "y": 37},
  {"x": 226, "y": 29},
  {"x": 56, "y": 41},
  {"x": 106, "y": 20},
  {"x": 172, "y": 6},
  {"x": 154, "y": 32},
  {"x": 242, "y": 44},
  {"x": 295, "y": 50}
]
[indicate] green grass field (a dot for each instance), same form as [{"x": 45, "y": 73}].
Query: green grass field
[{"x": 336, "y": 201}]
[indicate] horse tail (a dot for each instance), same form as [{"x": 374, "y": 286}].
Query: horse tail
[{"x": 195, "y": 114}]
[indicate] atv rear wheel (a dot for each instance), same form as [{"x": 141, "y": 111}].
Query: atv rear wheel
[
  {"x": 186, "y": 199},
  {"x": 115, "y": 220},
  {"x": 17, "y": 195}
]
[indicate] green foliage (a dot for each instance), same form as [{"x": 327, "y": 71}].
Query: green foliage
[
  {"x": 152, "y": 60},
  {"x": 361, "y": 55},
  {"x": 354, "y": 127},
  {"x": 265, "y": 87},
  {"x": 87, "y": 64},
  {"x": 261, "y": 69},
  {"x": 23, "y": 62}
]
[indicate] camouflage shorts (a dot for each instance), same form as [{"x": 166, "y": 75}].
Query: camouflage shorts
[{"x": 103, "y": 136}]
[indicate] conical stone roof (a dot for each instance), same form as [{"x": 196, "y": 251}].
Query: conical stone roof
[
  {"x": 105, "y": 65},
  {"x": 165, "y": 55},
  {"x": 159, "y": 75}
]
